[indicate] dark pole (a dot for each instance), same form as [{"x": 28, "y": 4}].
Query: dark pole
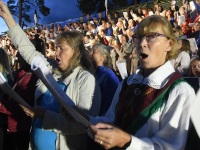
[{"x": 20, "y": 12}]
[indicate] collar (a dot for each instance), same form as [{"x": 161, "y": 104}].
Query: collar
[
  {"x": 156, "y": 80},
  {"x": 72, "y": 75}
]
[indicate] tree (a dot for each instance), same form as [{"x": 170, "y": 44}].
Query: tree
[
  {"x": 21, "y": 8},
  {"x": 87, "y": 6},
  {"x": 91, "y": 6}
]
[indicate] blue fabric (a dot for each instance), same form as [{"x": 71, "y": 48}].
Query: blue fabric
[
  {"x": 109, "y": 31},
  {"x": 44, "y": 139},
  {"x": 197, "y": 6},
  {"x": 108, "y": 83}
]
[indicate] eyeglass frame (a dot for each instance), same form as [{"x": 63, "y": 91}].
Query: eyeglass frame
[{"x": 148, "y": 35}]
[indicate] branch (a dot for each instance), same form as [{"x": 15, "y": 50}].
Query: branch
[
  {"x": 26, "y": 1},
  {"x": 15, "y": 15}
]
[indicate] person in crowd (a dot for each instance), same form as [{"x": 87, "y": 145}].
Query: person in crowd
[
  {"x": 131, "y": 24},
  {"x": 7, "y": 73},
  {"x": 178, "y": 33},
  {"x": 100, "y": 17},
  {"x": 107, "y": 80},
  {"x": 18, "y": 123},
  {"x": 129, "y": 33},
  {"x": 185, "y": 25},
  {"x": 194, "y": 69},
  {"x": 39, "y": 44},
  {"x": 144, "y": 12},
  {"x": 113, "y": 53},
  {"x": 116, "y": 16},
  {"x": 74, "y": 77},
  {"x": 196, "y": 33},
  {"x": 109, "y": 29},
  {"x": 12, "y": 54},
  {"x": 103, "y": 36},
  {"x": 125, "y": 51},
  {"x": 170, "y": 16},
  {"x": 182, "y": 61},
  {"x": 50, "y": 52},
  {"x": 134, "y": 59},
  {"x": 143, "y": 116}
]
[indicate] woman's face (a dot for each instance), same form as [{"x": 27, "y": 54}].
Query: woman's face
[
  {"x": 180, "y": 44},
  {"x": 196, "y": 68},
  {"x": 97, "y": 57},
  {"x": 153, "y": 50},
  {"x": 64, "y": 53}
]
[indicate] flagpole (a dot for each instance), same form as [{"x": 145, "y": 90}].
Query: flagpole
[
  {"x": 106, "y": 6},
  {"x": 35, "y": 18}
]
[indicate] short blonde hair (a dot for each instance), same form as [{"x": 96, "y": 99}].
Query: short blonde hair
[{"x": 152, "y": 24}]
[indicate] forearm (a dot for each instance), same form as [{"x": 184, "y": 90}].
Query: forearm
[{"x": 7, "y": 16}]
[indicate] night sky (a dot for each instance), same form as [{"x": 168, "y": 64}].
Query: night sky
[{"x": 60, "y": 10}]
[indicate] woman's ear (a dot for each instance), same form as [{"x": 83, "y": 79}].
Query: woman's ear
[{"x": 169, "y": 45}]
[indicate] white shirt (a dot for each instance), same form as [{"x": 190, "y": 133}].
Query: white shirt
[
  {"x": 182, "y": 62},
  {"x": 167, "y": 128}
]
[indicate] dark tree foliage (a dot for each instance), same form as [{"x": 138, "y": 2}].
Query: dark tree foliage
[
  {"x": 91, "y": 6},
  {"x": 87, "y": 6},
  {"x": 20, "y": 8}
]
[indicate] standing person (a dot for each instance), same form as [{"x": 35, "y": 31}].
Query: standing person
[
  {"x": 75, "y": 79},
  {"x": 106, "y": 78},
  {"x": 150, "y": 109},
  {"x": 18, "y": 123},
  {"x": 182, "y": 62},
  {"x": 6, "y": 72}
]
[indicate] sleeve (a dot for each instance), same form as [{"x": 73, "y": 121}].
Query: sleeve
[
  {"x": 87, "y": 94},
  {"x": 110, "y": 114},
  {"x": 108, "y": 89},
  {"x": 61, "y": 123}
]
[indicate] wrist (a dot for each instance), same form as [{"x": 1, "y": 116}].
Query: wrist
[{"x": 127, "y": 144}]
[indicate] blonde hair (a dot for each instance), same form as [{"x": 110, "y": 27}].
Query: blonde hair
[{"x": 152, "y": 24}]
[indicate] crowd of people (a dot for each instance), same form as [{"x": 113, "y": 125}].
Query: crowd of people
[{"x": 144, "y": 104}]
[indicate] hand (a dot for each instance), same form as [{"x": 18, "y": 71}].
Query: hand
[
  {"x": 37, "y": 111},
  {"x": 109, "y": 136},
  {"x": 6, "y": 15}
]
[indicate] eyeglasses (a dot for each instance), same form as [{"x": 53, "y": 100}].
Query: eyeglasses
[{"x": 150, "y": 37}]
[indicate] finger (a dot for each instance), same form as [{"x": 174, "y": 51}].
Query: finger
[
  {"x": 103, "y": 126},
  {"x": 93, "y": 128}
]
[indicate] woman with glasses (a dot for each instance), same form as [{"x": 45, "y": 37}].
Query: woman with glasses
[{"x": 150, "y": 109}]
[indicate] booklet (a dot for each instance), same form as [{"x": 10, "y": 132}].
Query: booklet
[{"x": 8, "y": 90}]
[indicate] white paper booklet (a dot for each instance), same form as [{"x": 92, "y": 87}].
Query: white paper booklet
[
  {"x": 122, "y": 69},
  {"x": 8, "y": 90}
]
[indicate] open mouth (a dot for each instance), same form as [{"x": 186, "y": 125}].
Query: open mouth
[
  {"x": 143, "y": 56},
  {"x": 57, "y": 60}
]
